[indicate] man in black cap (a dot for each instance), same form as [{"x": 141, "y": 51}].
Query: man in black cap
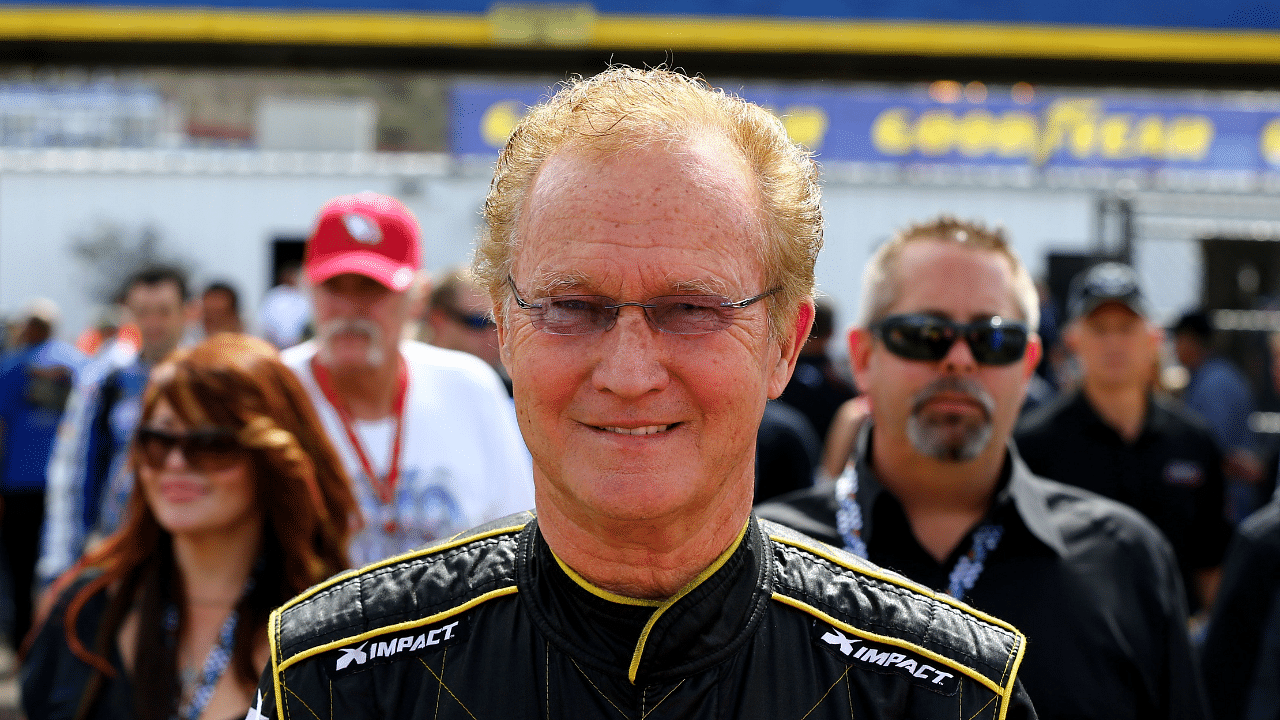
[{"x": 1118, "y": 437}]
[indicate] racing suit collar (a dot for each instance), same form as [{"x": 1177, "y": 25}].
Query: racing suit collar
[{"x": 649, "y": 642}]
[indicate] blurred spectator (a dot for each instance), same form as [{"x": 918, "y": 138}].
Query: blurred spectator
[
  {"x": 816, "y": 388},
  {"x": 220, "y": 309},
  {"x": 787, "y": 451},
  {"x": 1218, "y": 392},
  {"x": 943, "y": 350},
  {"x": 89, "y": 481},
  {"x": 243, "y": 504},
  {"x": 103, "y": 331},
  {"x": 34, "y": 384},
  {"x": 285, "y": 313},
  {"x": 1119, "y": 438},
  {"x": 459, "y": 317},
  {"x": 427, "y": 435}
]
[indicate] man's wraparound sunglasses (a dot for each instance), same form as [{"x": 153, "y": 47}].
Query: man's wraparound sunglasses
[
  {"x": 676, "y": 314},
  {"x": 205, "y": 450},
  {"x": 994, "y": 341}
]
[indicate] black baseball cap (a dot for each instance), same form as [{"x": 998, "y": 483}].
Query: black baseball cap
[{"x": 1105, "y": 283}]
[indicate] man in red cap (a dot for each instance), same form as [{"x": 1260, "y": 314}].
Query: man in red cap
[{"x": 427, "y": 435}]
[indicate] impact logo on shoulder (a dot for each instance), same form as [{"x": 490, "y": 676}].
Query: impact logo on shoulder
[
  {"x": 396, "y": 646},
  {"x": 889, "y": 659}
]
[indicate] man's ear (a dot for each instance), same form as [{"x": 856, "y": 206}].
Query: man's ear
[
  {"x": 860, "y": 345},
  {"x": 789, "y": 348},
  {"x": 1035, "y": 351}
]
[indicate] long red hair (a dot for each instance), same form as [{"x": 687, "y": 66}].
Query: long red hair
[{"x": 238, "y": 382}]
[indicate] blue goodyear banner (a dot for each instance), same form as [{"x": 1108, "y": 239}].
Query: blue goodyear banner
[{"x": 1110, "y": 130}]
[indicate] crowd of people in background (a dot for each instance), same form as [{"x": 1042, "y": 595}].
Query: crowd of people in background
[{"x": 172, "y": 470}]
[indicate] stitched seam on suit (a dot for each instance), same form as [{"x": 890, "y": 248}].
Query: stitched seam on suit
[
  {"x": 413, "y": 564},
  {"x": 303, "y": 702},
  {"x": 647, "y": 713},
  {"x": 843, "y": 676},
  {"x": 598, "y": 690},
  {"x": 885, "y": 585},
  {"x": 984, "y": 707},
  {"x": 440, "y": 680}
]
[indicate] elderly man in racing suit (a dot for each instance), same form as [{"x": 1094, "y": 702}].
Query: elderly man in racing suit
[{"x": 649, "y": 249}]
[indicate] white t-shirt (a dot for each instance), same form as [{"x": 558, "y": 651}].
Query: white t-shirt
[{"x": 462, "y": 463}]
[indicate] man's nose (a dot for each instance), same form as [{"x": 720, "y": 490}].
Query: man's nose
[
  {"x": 632, "y": 361},
  {"x": 959, "y": 357}
]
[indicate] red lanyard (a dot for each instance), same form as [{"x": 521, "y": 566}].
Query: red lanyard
[{"x": 385, "y": 489}]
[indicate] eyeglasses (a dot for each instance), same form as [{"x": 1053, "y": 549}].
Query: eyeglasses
[
  {"x": 994, "y": 341},
  {"x": 204, "y": 450},
  {"x": 675, "y": 314},
  {"x": 471, "y": 322}
]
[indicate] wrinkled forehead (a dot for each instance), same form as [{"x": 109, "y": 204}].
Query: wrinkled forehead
[{"x": 648, "y": 204}]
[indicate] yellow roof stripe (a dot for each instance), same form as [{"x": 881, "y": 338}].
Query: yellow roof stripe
[{"x": 656, "y": 32}]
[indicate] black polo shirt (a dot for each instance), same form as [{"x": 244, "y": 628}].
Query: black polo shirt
[
  {"x": 1172, "y": 472},
  {"x": 1092, "y": 584}
]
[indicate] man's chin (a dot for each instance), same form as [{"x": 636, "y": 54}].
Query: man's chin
[
  {"x": 349, "y": 359},
  {"x": 949, "y": 441}
]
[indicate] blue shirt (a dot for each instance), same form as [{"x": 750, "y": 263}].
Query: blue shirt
[
  {"x": 34, "y": 385},
  {"x": 89, "y": 478}
]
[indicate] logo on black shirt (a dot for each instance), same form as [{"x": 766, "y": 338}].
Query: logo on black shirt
[
  {"x": 378, "y": 651},
  {"x": 887, "y": 659}
]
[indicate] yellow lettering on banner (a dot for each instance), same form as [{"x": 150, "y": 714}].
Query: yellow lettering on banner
[
  {"x": 1270, "y": 142},
  {"x": 1063, "y": 121},
  {"x": 976, "y": 133},
  {"x": 806, "y": 124},
  {"x": 498, "y": 122},
  {"x": 1189, "y": 137},
  {"x": 935, "y": 132},
  {"x": 1150, "y": 137},
  {"x": 1114, "y": 137},
  {"x": 891, "y": 132},
  {"x": 1017, "y": 135}
]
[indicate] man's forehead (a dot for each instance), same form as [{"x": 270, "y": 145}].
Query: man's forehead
[
  {"x": 164, "y": 290},
  {"x": 951, "y": 280}
]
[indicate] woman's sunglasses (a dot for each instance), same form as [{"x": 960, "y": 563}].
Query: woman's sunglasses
[
  {"x": 204, "y": 450},
  {"x": 994, "y": 341}
]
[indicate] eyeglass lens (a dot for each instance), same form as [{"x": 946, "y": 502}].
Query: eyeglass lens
[
  {"x": 678, "y": 314},
  {"x": 994, "y": 341},
  {"x": 204, "y": 450}
]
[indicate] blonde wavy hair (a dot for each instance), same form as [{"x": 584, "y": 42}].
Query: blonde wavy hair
[{"x": 625, "y": 108}]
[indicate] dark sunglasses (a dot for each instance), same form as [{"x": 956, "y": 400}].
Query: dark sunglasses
[
  {"x": 675, "y": 314},
  {"x": 471, "y": 322},
  {"x": 994, "y": 341},
  {"x": 204, "y": 450}
]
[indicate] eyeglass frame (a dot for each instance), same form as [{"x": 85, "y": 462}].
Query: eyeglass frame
[{"x": 644, "y": 306}]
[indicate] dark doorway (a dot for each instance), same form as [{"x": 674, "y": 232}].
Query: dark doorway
[{"x": 285, "y": 250}]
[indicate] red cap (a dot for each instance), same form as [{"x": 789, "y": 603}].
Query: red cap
[{"x": 367, "y": 234}]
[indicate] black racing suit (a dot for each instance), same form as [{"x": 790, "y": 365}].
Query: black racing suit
[{"x": 492, "y": 626}]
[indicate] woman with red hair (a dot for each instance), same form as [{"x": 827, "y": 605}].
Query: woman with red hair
[{"x": 240, "y": 503}]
